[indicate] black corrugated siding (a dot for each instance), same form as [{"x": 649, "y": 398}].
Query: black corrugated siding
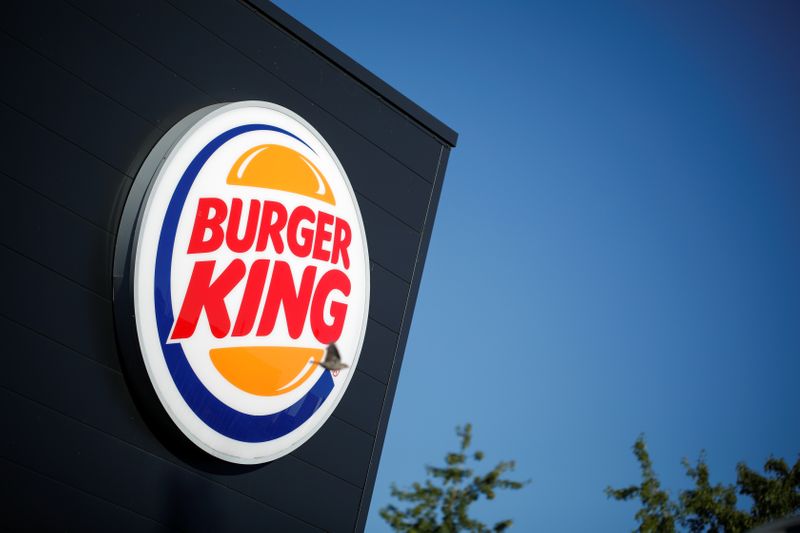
[{"x": 88, "y": 88}]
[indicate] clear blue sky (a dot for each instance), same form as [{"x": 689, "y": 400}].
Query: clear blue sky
[{"x": 617, "y": 247}]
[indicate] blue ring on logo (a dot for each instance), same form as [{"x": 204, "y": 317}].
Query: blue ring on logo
[{"x": 216, "y": 414}]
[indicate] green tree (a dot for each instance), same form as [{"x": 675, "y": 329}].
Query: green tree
[
  {"x": 658, "y": 513},
  {"x": 441, "y": 503},
  {"x": 713, "y": 507},
  {"x": 710, "y": 507},
  {"x": 775, "y": 495}
]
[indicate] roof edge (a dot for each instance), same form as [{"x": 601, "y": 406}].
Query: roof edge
[{"x": 369, "y": 80}]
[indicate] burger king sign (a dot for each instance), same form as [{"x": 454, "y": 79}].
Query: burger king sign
[{"x": 241, "y": 256}]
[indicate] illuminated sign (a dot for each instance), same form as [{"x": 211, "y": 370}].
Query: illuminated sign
[{"x": 245, "y": 255}]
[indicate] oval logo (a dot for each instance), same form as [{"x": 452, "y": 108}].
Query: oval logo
[{"x": 249, "y": 258}]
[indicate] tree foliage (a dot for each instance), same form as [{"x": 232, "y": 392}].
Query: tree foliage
[
  {"x": 713, "y": 507},
  {"x": 657, "y": 513},
  {"x": 441, "y": 503}
]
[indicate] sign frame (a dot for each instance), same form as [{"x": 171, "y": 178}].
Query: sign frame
[{"x": 129, "y": 237}]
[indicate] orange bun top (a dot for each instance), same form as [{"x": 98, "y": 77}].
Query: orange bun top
[{"x": 271, "y": 166}]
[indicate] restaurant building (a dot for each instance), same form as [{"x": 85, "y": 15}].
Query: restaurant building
[{"x": 114, "y": 114}]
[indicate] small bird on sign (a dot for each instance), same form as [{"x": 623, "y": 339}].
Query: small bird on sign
[{"x": 332, "y": 360}]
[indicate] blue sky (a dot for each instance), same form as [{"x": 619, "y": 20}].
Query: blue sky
[{"x": 617, "y": 246}]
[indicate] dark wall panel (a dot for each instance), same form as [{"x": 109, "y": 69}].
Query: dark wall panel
[
  {"x": 28, "y": 492},
  {"x": 63, "y": 240},
  {"x": 54, "y": 306},
  {"x": 89, "y": 87},
  {"x": 65, "y": 175},
  {"x": 378, "y": 351},
  {"x": 100, "y": 465},
  {"x": 328, "y": 87},
  {"x": 82, "y": 47},
  {"x": 57, "y": 98},
  {"x": 209, "y": 64}
]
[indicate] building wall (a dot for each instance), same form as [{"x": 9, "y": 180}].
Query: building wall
[{"x": 88, "y": 88}]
